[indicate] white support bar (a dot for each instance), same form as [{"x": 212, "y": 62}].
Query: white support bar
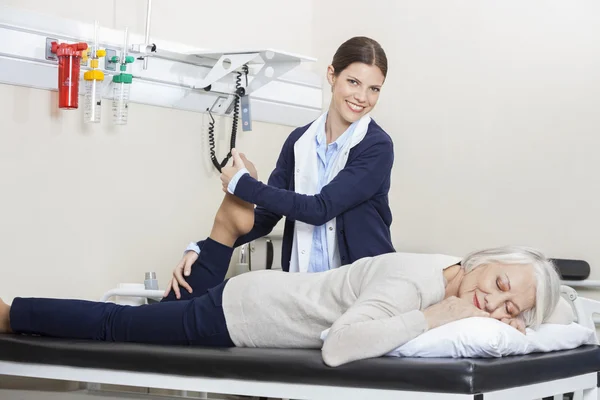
[
  {"x": 586, "y": 283},
  {"x": 585, "y": 383},
  {"x": 130, "y": 292},
  {"x": 21, "y": 394},
  {"x": 546, "y": 389},
  {"x": 176, "y": 77},
  {"x": 215, "y": 385},
  {"x": 586, "y": 308}
]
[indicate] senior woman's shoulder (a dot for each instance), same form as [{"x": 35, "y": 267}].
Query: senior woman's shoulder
[
  {"x": 411, "y": 262},
  {"x": 424, "y": 271}
]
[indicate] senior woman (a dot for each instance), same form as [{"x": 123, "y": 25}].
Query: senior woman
[{"x": 389, "y": 299}]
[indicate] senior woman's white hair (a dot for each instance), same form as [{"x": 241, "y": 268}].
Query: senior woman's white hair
[{"x": 546, "y": 276}]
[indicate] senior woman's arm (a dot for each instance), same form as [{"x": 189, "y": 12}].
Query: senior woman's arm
[
  {"x": 386, "y": 316},
  {"x": 380, "y": 321}
]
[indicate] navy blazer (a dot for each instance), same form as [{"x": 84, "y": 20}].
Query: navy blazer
[{"x": 357, "y": 197}]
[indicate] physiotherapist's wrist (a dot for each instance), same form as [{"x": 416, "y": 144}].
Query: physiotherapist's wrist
[
  {"x": 193, "y": 246},
  {"x": 234, "y": 181},
  {"x": 246, "y": 188}
]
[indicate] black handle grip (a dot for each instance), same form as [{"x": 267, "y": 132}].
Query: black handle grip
[
  {"x": 270, "y": 251},
  {"x": 572, "y": 270}
]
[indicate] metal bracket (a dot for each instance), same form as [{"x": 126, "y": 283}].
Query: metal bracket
[
  {"x": 226, "y": 64},
  {"x": 110, "y": 66},
  {"x": 274, "y": 64},
  {"x": 246, "y": 115},
  {"x": 49, "y": 54},
  {"x": 219, "y": 67},
  {"x": 219, "y": 105},
  {"x": 272, "y": 69}
]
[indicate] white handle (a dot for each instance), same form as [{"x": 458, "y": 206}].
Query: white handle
[
  {"x": 586, "y": 283},
  {"x": 129, "y": 292}
]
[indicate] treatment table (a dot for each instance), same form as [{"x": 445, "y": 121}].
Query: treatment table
[{"x": 301, "y": 374}]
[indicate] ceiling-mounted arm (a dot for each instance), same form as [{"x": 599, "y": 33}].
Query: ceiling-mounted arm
[
  {"x": 274, "y": 66},
  {"x": 226, "y": 64},
  {"x": 220, "y": 64}
]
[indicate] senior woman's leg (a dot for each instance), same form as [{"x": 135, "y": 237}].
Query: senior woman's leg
[
  {"x": 196, "y": 321},
  {"x": 234, "y": 218}
]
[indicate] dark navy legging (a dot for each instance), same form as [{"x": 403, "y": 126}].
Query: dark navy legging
[{"x": 196, "y": 319}]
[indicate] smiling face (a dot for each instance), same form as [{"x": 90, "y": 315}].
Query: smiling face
[
  {"x": 355, "y": 90},
  {"x": 504, "y": 291}
]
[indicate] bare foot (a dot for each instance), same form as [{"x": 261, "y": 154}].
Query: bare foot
[
  {"x": 4, "y": 317},
  {"x": 249, "y": 166},
  {"x": 235, "y": 215}
]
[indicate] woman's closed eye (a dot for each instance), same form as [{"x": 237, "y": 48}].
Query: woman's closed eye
[{"x": 504, "y": 286}]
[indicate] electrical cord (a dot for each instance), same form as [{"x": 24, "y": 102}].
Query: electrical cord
[{"x": 239, "y": 92}]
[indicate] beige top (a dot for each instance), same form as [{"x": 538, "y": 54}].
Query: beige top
[{"x": 372, "y": 306}]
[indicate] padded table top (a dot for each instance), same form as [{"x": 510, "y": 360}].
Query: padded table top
[{"x": 306, "y": 366}]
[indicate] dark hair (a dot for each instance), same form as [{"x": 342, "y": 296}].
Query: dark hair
[{"x": 359, "y": 49}]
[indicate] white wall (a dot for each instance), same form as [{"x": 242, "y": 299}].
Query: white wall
[
  {"x": 493, "y": 108},
  {"x": 207, "y": 24},
  {"x": 86, "y": 207}
]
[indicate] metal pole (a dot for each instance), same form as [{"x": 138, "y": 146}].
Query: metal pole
[{"x": 147, "y": 41}]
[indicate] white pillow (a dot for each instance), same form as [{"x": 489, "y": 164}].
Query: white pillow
[{"x": 488, "y": 337}]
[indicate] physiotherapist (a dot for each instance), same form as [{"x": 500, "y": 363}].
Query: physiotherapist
[{"x": 331, "y": 180}]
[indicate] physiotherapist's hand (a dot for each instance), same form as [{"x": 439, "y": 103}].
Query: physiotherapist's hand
[
  {"x": 249, "y": 166},
  {"x": 183, "y": 268},
  {"x": 228, "y": 172},
  {"x": 450, "y": 310}
]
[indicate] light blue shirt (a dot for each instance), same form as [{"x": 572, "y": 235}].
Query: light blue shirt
[
  {"x": 326, "y": 155},
  {"x": 233, "y": 182}
]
